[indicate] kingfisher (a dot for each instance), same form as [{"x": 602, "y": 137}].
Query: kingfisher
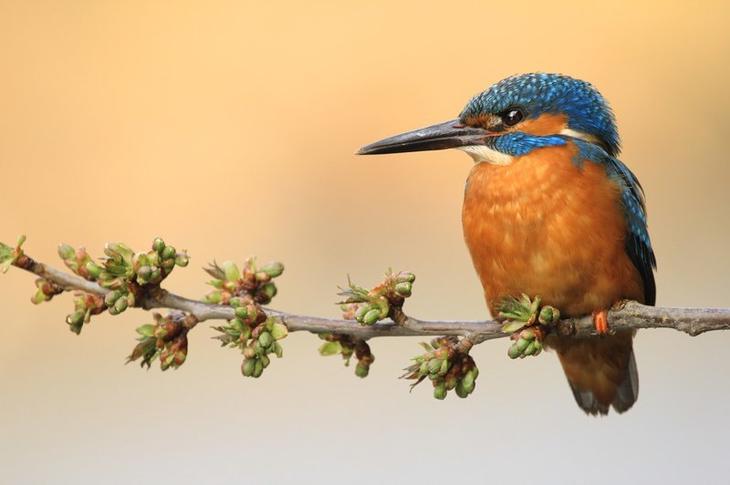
[{"x": 550, "y": 210}]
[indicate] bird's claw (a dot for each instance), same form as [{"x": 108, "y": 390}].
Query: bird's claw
[{"x": 600, "y": 322}]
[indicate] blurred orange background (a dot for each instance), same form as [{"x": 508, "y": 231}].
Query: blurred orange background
[{"x": 229, "y": 129}]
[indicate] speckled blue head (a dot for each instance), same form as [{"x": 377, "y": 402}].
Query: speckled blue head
[
  {"x": 536, "y": 94},
  {"x": 514, "y": 117}
]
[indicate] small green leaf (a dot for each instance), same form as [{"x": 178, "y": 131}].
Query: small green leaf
[
  {"x": 512, "y": 326},
  {"x": 279, "y": 331},
  {"x": 147, "y": 330},
  {"x": 330, "y": 348}
]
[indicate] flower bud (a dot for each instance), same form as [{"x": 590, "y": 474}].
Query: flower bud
[
  {"x": 265, "y": 339},
  {"x": 66, "y": 252},
  {"x": 439, "y": 391},
  {"x": 247, "y": 367},
  {"x": 404, "y": 289},
  {"x": 158, "y": 245},
  {"x": 168, "y": 253},
  {"x": 258, "y": 368},
  {"x": 434, "y": 366},
  {"x": 269, "y": 290},
  {"x": 182, "y": 260},
  {"x": 548, "y": 315},
  {"x": 273, "y": 269},
  {"x": 120, "y": 305},
  {"x": 144, "y": 273},
  {"x": 362, "y": 370},
  {"x": 405, "y": 277},
  {"x": 93, "y": 269},
  {"x": 112, "y": 297},
  {"x": 371, "y": 316}
]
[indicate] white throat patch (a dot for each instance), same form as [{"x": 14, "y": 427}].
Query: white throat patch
[{"x": 481, "y": 153}]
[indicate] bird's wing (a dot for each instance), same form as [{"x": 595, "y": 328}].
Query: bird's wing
[{"x": 638, "y": 243}]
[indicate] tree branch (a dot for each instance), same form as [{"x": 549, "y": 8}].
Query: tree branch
[{"x": 628, "y": 316}]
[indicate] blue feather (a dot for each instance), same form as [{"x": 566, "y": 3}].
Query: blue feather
[{"x": 638, "y": 243}]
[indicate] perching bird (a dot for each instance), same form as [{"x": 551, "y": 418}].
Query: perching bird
[{"x": 549, "y": 210}]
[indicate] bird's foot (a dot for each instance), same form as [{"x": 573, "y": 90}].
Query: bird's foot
[
  {"x": 447, "y": 365},
  {"x": 600, "y": 322}
]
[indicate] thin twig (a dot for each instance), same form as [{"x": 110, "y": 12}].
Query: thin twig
[{"x": 628, "y": 316}]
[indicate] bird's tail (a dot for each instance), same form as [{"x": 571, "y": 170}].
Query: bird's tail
[{"x": 601, "y": 372}]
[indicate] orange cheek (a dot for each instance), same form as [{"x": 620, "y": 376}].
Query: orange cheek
[{"x": 546, "y": 124}]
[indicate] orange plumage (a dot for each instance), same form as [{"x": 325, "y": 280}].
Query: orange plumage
[
  {"x": 550, "y": 211},
  {"x": 545, "y": 226}
]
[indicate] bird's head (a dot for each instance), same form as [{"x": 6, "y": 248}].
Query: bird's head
[{"x": 515, "y": 116}]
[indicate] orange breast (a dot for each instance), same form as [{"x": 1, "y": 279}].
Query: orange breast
[{"x": 543, "y": 226}]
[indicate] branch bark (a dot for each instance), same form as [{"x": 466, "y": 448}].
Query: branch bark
[{"x": 628, "y": 316}]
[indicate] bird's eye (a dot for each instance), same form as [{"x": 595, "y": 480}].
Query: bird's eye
[{"x": 512, "y": 116}]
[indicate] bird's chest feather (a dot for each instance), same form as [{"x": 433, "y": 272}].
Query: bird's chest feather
[{"x": 543, "y": 226}]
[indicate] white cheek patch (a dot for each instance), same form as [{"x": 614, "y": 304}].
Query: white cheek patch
[
  {"x": 579, "y": 135},
  {"x": 481, "y": 153}
]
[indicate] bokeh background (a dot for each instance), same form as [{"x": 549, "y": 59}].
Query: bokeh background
[{"x": 229, "y": 129}]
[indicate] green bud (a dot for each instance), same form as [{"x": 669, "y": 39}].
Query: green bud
[
  {"x": 434, "y": 366},
  {"x": 361, "y": 311},
  {"x": 112, "y": 297},
  {"x": 93, "y": 269},
  {"x": 241, "y": 312},
  {"x": 514, "y": 351},
  {"x": 76, "y": 318},
  {"x": 362, "y": 370},
  {"x": 265, "y": 339},
  {"x": 167, "y": 264},
  {"x": 273, "y": 269},
  {"x": 444, "y": 367},
  {"x": 468, "y": 380},
  {"x": 278, "y": 349},
  {"x": 371, "y": 317},
  {"x": 423, "y": 368},
  {"x": 522, "y": 344},
  {"x": 158, "y": 245},
  {"x": 530, "y": 349},
  {"x": 405, "y": 277},
  {"x": 265, "y": 361},
  {"x": 144, "y": 273},
  {"x": 247, "y": 367},
  {"x": 439, "y": 391},
  {"x": 548, "y": 315},
  {"x": 258, "y": 368},
  {"x": 66, "y": 252},
  {"x": 120, "y": 305},
  {"x": 156, "y": 275},
  {"x": 404, "y": 289},
  {"x": 231, "y": 271},
  {"x": 214, "y": 297},
  {"x": 182, "y": 260},
  {"x": 461, "y": 390},
  {"x": 269, "y": 289},
  {"x": 168, "y": 253}
]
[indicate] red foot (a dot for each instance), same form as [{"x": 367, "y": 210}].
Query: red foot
[{"x": 600, "y": 321}]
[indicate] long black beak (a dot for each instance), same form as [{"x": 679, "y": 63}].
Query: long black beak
[{"x": 451, "y": 134}]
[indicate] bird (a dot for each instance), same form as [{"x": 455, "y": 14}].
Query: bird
[{"x": 550, "y": 210}]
